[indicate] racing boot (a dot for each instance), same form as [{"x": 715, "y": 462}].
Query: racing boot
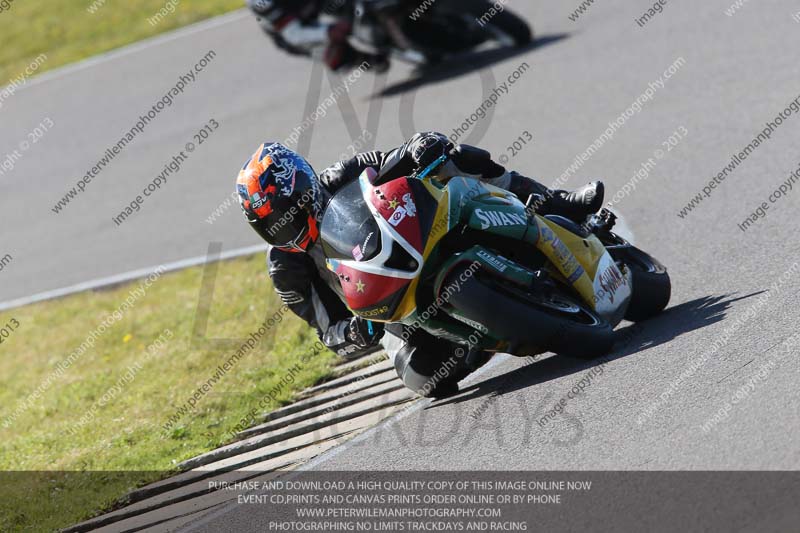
[
  {"x": 575, "y": 205},
  {"x": 580, "y": 203}
]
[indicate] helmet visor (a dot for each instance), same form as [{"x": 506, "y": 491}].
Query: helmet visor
[{"x": 290, "y": 223}]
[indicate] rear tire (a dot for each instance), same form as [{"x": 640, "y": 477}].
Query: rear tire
[
  {"x": 563, "y": 325},
  {"x": 504, "y": 22},
  {"x": 652, "y": 287},
  {"x": 513, "y": 26}
]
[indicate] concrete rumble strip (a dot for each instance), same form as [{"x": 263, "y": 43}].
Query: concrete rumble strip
[{"x": 362, "y": 394}]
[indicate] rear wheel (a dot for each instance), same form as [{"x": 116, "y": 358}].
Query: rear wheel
[
  {"x": 556, "y": 322},
  {"x": 512, "y": 26},
  {"x": 504, "y": 25},
  {"x": 652, "y": 287}
]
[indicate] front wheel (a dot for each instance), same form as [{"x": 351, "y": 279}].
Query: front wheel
[{"x": 557, "y": 322}]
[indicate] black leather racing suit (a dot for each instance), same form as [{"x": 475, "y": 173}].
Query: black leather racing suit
[{"x": 313, "y": 292}]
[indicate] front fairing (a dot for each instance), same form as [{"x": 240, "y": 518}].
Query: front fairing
[{"x": 376, "y": 239}]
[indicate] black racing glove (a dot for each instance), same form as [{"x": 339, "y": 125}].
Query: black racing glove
[
  {"x": 363, "y": 333},
  {"x": 425, "y": 148}
]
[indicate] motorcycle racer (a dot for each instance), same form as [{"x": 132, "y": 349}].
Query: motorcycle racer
[
  {"x": 301, "y": 26},
  {"x": 283, "y": 200}
]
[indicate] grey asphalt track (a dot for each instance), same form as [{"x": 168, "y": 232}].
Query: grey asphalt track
[{"x": 646, "y": 406}]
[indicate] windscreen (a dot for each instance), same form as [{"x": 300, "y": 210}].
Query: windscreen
[{"x": 349, "y": 230}]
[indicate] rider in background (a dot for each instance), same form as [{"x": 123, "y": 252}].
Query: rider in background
[
  {"x": 283, "y": 200},
  {"x": 303, "y": 26}
]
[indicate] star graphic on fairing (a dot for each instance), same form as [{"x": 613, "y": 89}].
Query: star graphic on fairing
[
  {"x": 394, "y": 203},
  {"x": 360, "y": 286}
]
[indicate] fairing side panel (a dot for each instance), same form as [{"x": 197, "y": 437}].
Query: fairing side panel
[
  {"x": 562, "y": 258},
  {"x": 601, "y": 280}
]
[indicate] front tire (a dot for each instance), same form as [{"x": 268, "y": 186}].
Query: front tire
[{"x": 558, "y": 323}]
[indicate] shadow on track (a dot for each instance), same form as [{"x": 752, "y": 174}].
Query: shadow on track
[
  {"x": 464, "y": 64},
  {"x": 676, "y": 321}
]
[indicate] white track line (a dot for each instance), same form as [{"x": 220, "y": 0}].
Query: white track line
[
  {"x": 133, "y": 48},
  {"x": 127, "y": 276}
]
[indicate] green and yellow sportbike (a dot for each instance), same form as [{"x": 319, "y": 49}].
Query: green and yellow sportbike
[{"x": 471, "y": 263}]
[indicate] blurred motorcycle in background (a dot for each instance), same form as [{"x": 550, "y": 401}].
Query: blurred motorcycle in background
[
  {"x": 428, "y": 32},
  {"x": 420, "y": 32}
]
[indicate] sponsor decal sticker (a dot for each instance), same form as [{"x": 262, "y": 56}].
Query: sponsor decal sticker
[
  {"x": 568, "y": 261},
  {"x": 499, "y": 265},
  {"x": 374, "y": 312},
  {"x": 575, "y": 275},
  {"x": 494, "y": 219},
  {"x": 409, "y": 209},
  {"x": 398, "y": 216},
  {"x": 546, "y": 234},
  {"x": 612, "y": 279},
  {"x": 366, "y": 241},
  {"x": 468, "y": 321},
  {"x": 257, "y": 200},
  {"x": 347, "y": 350}
]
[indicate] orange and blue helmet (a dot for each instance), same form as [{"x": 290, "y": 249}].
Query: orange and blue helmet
[{"x": 280, "y": 195}]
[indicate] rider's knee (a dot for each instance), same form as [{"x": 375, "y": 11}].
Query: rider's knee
[{"x": 427, "y": 368}]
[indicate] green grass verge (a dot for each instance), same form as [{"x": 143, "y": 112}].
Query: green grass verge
[
  {"x": 78, "y": 425},
  {"x": 65, "y": 31}
]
